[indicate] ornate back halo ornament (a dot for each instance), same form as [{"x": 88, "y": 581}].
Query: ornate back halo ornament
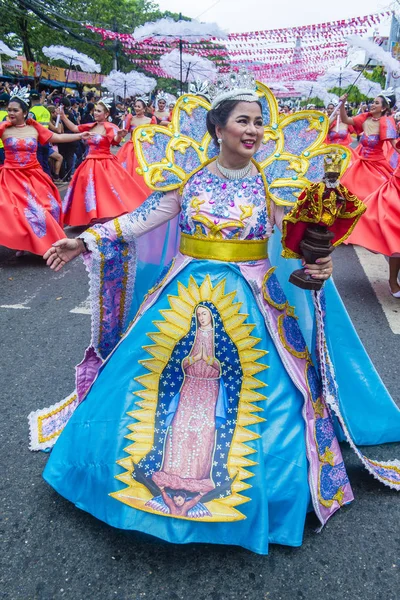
[
  {"x": 239, "y": 85},
  {"x": 291, "y": 155}
]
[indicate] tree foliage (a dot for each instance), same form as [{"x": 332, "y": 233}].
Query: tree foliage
[{"x": 29, "y": 25}]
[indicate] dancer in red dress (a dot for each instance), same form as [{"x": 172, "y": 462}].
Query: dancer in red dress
[
  {"x": 339, "y": 132},
  {"x": 30, "y": 205},
  {"x": 162, "y": 114},
  {"x": 126, "y": 156},
  {"x": 101, "y": 189},
  {"x": 379, "y": 228},
  {"x": 370, "y": 169}
]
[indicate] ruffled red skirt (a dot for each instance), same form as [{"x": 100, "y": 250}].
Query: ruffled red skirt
[
  {"x": 30, "y": 209},
  {"x": 365, "y": 176},
  {"x": 127, "y": 158},
  {"x": 378, "y": 229},
  {"x": 100, "y": 190}
]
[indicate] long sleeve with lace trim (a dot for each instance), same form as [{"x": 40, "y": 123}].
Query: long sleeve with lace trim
[{"x": 111, "y": 265}]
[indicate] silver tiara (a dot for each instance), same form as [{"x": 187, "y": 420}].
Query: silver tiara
[
  {"x": 386, "y": 94},
  {"x": 106, "y": 101},
  {"x": 20, "y": 94},
  {"x": 200, "y": 88},
  {"x": 161, "y": 96},
  {"x": 239, "y": 85},
  {"x": 143, "y": 98}
]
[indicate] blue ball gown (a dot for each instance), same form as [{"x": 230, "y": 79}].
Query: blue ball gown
[{"x": 204, "y": 408}]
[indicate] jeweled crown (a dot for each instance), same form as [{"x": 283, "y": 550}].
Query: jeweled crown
[
  {"x": 161, "y": 96},
  {"x": 333, "y": 163},
  {"x": 240, "y": 85},
  {"x": 107, "y": 102},
  {"x": 21, "y": 94},
  {"x": 200, "y": 88},
  {"x": 143, "y": 98}
]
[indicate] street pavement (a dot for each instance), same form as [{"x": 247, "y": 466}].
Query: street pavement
[{"x": 52, "y": 550}]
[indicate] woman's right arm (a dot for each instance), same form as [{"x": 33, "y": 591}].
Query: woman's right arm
[
  {"x": 157, "y": 209},
  {"x": 71, "y": 126},
  {"x": 343, "y": 114}
]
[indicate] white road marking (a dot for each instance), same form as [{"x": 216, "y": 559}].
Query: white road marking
[
  {"x": 20, "y": 306},
  {"x": 83, "y": 308},
  {"x": 377, "y": 270}
]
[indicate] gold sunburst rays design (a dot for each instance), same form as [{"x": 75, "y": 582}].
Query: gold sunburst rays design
[{"x": 174, "y": 325}]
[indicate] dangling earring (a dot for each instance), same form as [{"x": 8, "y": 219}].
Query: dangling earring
[{"x": 219, "y": 140}]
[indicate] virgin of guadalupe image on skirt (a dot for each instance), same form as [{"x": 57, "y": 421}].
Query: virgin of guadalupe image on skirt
[{"x": 195, "y": 419}]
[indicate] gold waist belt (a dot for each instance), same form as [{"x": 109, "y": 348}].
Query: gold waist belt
[{"x": 226, "y": 250}]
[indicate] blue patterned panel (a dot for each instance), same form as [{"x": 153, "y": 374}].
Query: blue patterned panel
[
  {"x": 266, "y": 113},
  {"x": 285, "y": 194},
  {"x": 279, "y": 170},
  {"x": 189, "y": 161},
  {"x": 170, "y": 179},
  {"x": 274, "y": 294},
  {"x": 315, "y": 171},
  {"x": 265, "y": 151},
  {"x": 324, "y": 433},
  {"x": 314, "y": 383},
  {"x": 331, "y": 479},
  {"x": 155, "y": 152},
  {"x": 291, "y": 336},
  {"x": 194, "y": 125},
  {"x": 297, "y": 138}
]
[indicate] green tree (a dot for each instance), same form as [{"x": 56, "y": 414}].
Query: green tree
[{"x": 28, "y": 26}]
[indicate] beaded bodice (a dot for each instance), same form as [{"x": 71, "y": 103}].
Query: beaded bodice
[
  {"x": 371, "y": 147},
  {"x": 98, "y": 144},
  {"x": 20, "y": 152},
  {"x": 220, "y": 208}
]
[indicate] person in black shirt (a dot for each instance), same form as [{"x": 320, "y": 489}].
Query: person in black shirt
[{"x": 68, "y": 150}]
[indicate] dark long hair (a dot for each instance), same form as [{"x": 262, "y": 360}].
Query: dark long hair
[
  {"x": 387, "y": 104},
  {"x": 22, "y": 104}
]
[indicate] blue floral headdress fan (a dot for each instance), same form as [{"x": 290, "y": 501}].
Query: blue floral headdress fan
[{"x": 290, "y": 157}]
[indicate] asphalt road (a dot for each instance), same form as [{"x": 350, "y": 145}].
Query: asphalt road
[{"x": 52, "y": 550}]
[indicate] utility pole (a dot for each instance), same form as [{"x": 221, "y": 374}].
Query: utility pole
[
  {"x": 394, "y": 48},
  {"x": 116, "y": 46}
]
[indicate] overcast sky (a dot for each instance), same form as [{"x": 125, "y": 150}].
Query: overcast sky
[{"x": 253, "y": 15}]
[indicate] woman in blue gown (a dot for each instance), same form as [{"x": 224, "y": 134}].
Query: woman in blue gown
[{"x": 205, "y": 418}]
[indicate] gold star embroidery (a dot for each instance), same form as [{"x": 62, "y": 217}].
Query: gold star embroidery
[
  {"x": 246, "y": 210},
  {"x": 315, "y": 123},
  {"x": 339, "y": 496},
  {"x": 319, "y": 407},
  {"x": 196, "y": 203},
  {"x": 328, "y": 457}
]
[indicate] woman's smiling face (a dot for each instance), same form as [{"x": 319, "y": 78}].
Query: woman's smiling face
[{"x": 244, "y": 130}]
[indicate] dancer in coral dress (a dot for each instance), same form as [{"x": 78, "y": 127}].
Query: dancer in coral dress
[
  {"x": 339, "y": 132},
  {"x": 101, "y": 188},
  {"x": 30, "y": 205},
  {"x": 379, "y": 228},
  {"x": 371, "y": 169},
  {"x": 126, "y": 156}
]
